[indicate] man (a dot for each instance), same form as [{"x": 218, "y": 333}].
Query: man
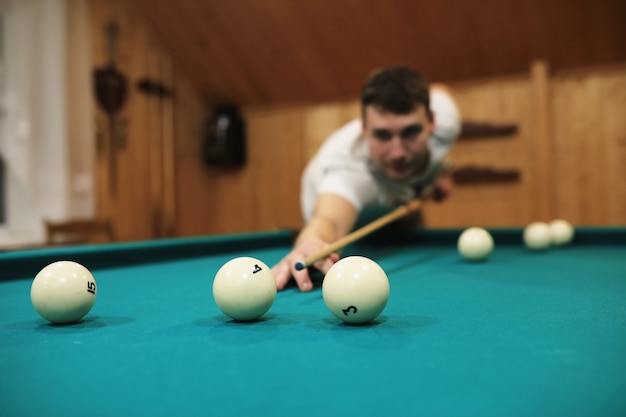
[{"x": 390, "y": 155}]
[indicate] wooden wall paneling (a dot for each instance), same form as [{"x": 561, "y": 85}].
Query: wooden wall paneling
[
  {"x": 258, "y": 52},
  {"x": 167, "y": 175},
  {"x": 168, "y": 200},
  {"x": 542, "y": 142},
  {"x": 590, "y": 160},
  {"x": 213, "y": 199},
  {"x": 598, "y": 197},
  {"x": 130, "y": 205},
  {"x": 275, "y": 159},
  {"x": 505, "y": 100},
  {"x": 98, "y": 11},
  {"x": 213, "y": 29},
  {"x": 232, "y": 199},
  {"x": 594, "y": 162},
  {"x": 484, "y": 205},
  {"x": 154, "y": 142},
  {"x": 322, "y": 120},
  {"x": 133, "y": 204},
  {"x": 614, "y": 127},
  {"x": 185, "y": 45},
  {"x": 303, "y": 50},
  {"x": 235, "y": 25},
  {"x": 264, "y": 194},
  {"x": 195, "y": 200},
  {"x": 501, "y": 101},
  {"x": 567, "y": 134}
]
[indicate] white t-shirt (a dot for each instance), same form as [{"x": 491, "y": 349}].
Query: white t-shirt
[{"x": 343, "y": 165}]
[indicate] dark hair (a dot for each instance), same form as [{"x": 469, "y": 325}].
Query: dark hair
[{"x": 396, "y": 89}]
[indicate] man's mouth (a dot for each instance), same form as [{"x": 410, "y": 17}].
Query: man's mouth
[{"x": 399, "y": 167}]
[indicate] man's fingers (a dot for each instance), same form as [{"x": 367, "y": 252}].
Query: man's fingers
[
  {"x": 325, "y": 264},
  {"x": 282, "y": 274},
  {"x": 303, "y": 279},
  {"x": 285, "y": 269}
]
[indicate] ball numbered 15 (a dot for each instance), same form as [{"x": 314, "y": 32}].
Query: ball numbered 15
[{"x": 63, "y": 292}]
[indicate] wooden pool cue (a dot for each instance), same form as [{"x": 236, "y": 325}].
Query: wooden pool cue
[{"x": 397, "y": 213}]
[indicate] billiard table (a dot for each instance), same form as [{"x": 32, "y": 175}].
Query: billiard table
[{"x": 521, "y": 334}]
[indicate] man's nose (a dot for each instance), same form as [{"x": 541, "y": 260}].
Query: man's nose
[{"x": 396, "y": 148}]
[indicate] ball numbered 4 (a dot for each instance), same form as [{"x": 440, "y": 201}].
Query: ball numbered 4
[
  {"x": 63, "y": 292},
  {"x": 244, "y": 288},
  {"x": 356, "y": 289}
]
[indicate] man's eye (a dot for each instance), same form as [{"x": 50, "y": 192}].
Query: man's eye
[
  {"x": 411, "y": 132},
  {"x": 382, "y": 134}
]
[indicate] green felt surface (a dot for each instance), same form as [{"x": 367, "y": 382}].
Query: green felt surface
[{"x": 524, "y": 334}]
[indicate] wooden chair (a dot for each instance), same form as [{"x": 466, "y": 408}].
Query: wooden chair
[{"x": 79, "y": 231}]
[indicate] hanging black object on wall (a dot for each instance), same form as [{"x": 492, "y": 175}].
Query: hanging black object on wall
[{"x": 224, "y": 142}]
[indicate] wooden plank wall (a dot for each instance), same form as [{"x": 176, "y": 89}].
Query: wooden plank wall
[
  {"x": 556, "y": 163},
  {"x": 141, "y": 140},
  {"x": 261, "y": 195},
  {"x": 570, "y": 150},
  {"x": 277, "y": 51},
  {"x": 507, "y": 100},
  {"x": 589, "y": 145}
]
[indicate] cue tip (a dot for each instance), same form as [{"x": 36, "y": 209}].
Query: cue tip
[{"x": 300, "y": 265}]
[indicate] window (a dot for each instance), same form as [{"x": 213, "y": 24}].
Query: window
[
  {"x": 2, "y": 193},
  {"x": 33, "y": 131},
  {"x": 2, "y": 164}
]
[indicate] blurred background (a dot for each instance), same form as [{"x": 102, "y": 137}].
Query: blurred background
[{"x": 127, "y": 120}]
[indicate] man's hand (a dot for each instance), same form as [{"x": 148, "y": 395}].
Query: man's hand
[
  {"x": 332, "y": 219},
  {"x": 443, "y": 188},
  {"x": 285, "y": 269}
]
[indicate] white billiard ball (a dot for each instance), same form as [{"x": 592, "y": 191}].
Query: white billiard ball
[
  {"x": 537, "y": 236},
  {"x": 475, "y": 244},
  {"x": 63, "y": 292},
  {"x": 355, "y": 289},
  {"x": 561, "y": 232},
  {"x": 244, "y": 288}
]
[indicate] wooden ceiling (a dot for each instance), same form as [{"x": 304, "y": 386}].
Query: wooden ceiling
[{"x": 279, "y": 51}]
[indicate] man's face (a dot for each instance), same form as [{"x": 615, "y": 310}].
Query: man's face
[{"x": 398, "y": 142}]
